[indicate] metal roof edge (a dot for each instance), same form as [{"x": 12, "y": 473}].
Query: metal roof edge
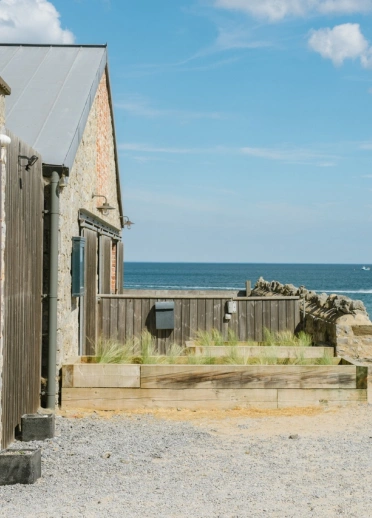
[{"x": 103, "y": 45}]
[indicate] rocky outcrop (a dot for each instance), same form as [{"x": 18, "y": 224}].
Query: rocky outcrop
[
  {"x": 333, "y": 319},
  {"x": 332, "y": 304}
]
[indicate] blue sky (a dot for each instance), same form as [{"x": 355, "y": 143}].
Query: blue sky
[{"x": 244, "y": 127}]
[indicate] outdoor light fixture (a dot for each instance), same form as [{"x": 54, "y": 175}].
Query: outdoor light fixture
[
  {"x": 105, "y": 207},
  {"x": 30, "y": 160},
  {"x": 127, "y": 222}
]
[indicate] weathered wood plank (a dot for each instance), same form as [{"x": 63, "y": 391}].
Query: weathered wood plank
[
  {"x": 319, "y": 397},
  {"x": 193, "y": 318},
  {"x": 217, "y": 314},
  {"x": 274, "y": 316},
  {"x": 242, "y": 317},
  {"x": 121, "y": 319},
  {"x": 282, "y": 315},
  {"x": 127, "y": 399},
  {"x": 137, "y": 317},
  {"x": 90, "y": 297},
  {"x": 250, "y": 335},
  {"x": 129, "y": 319},
  {"x": 258, "y": 328},
  {"x": 208, "y": 314},
  {"x": 253, "y": 376},
  {"x": 90, "y": 375},
  {"x": 266, "y": 318},
  {"x": 114, "y": 319},
  {"x": 186, "y": 333},
  {"x": 290, "y": 315},
  {"x": 105, "y": 323},
  {"x": 201, "y": 314}
]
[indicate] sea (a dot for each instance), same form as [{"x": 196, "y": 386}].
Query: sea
[{"x": 346, "y": 279}]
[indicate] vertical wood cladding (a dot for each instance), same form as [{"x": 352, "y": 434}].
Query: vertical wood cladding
[
  {"x": 89, "y": 320},
  {"x": 23, "y": 263}
]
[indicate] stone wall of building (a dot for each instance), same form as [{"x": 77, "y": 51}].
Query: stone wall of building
[
  {"x": 332, "y": 319},
  {"x": 94, "y": 172}
]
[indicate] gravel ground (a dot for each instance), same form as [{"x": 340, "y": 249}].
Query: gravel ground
[{"x": 308, "y": 463}]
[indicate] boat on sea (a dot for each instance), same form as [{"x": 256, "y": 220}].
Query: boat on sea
[{"x": 366, "y": 268}]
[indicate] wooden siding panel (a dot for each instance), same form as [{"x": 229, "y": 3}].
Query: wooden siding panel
[
  {"x": 22, "y": 270},
  {"x": 89, "y": 302}
]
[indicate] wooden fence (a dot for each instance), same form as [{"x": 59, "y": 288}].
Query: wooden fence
[
  {"x": 124, "y": 316},
  {"x": 22, "y": 271}
]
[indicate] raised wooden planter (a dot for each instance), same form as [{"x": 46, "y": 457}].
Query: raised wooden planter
[
  {"x": 253, "y": 351},
  {"x": 126, "y": 387}
]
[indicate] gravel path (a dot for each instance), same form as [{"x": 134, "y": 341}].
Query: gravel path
[{"x": 184, "y": 464}]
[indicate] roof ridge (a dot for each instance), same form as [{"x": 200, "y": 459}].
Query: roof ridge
[{"x": 102, "y": 45}]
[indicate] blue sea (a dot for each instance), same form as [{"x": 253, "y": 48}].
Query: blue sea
[{"x": 346, "y": 279}]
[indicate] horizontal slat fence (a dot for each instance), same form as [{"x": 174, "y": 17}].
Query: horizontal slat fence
[{"x": 125, "y": 316}]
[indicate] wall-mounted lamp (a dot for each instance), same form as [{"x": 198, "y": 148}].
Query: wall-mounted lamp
[
  {"x": 105, "y": 207},
  {"x": 63, "y": 182},
  {"x": 30, "y": 160},
  {"x": 127, "y": 222}
]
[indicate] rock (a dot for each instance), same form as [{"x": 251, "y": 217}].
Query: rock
[
  {"x": 322, "y": 300},
  {"x": 294, "y": 436},
  {"x": 357, "y": 305},
  {"x": 106, "y": 455}
]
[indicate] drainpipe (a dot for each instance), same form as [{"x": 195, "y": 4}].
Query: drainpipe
[{"x": 53, "y": 287}]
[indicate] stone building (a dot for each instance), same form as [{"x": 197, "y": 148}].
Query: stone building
[{"x": 61, "y": 106}]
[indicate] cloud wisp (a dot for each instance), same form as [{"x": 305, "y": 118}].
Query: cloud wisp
[
  {"x": 32, "y": 21},
  {"x": 342, "y": 42},
  {"x": 287, "y": 155},
  {"x": 277, "y": 10},
  {"x": 140, "y": 107}
]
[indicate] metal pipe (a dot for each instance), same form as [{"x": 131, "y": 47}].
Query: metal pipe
[{"x": 53, "y": 287}]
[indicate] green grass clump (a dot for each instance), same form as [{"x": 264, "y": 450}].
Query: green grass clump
[
  {"x": 326, "y": 359},
  {"x": 203, "y": 338},
  {"x": 232, "y": 337},
  {"x": 217, "y": 337},
  {"x": 112, "y": 351},
  {"x": 286, "y": 338}
]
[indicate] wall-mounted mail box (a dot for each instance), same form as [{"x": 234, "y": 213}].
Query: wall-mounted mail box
[{"x": 164, "y": 315}]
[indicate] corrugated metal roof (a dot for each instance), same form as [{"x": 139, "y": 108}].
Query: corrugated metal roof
[{"x": 53, "y": 89}]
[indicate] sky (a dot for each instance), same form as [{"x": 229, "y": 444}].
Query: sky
[{"x": 244, "y": 127}]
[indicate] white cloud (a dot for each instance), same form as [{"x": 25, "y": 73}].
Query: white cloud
[
  {"x": 344, "y": 41},
  {"x": 295, "y": 155},
  {"x": 365, "y": 145},
  {"x": 31, "y": 21},
  {"x": 275, "y": 10}
]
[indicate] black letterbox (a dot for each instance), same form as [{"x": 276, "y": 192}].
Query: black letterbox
[{"x": 164, "y": 315}]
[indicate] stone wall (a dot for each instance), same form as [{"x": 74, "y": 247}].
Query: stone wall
[
  {"x": 94, "y": 172},
  {"x": 332, "y": 319}
]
